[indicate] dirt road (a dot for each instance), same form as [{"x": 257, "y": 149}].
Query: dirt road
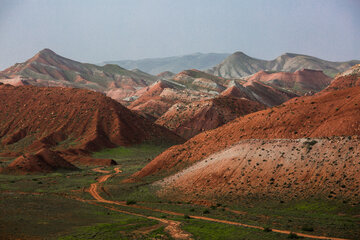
[{"x": 173, "y": 227}]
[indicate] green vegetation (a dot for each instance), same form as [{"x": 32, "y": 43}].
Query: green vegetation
[
  {"x": 59, "y": 182},
  {"x": 330, "y": 72},
  {"x": 45, "y": 203},
  {"x": 132, "y": 158},
  {"x": 52, "y": 216},
  {"x": 128, "y": 227},
  {"x": 209, "y": 230},
  {"x": 137, "y": 151}
]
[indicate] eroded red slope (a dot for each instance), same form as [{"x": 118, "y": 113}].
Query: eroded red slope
[
  {"x": 301, "y": 81},
  {"x": 33, "y": 118},
  {"x": 188, "y": 120},
  {"x": 44, "y": 160},
  {"x": 272, "y": 169},
  {"x": 334, "y": 113}
]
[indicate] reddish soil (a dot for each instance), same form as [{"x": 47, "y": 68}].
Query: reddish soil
[
  {"x": 156, "y": 99},
  {"x": 63, "y": 118},
  {"x": 271, "y": 169},
  {"x": 235, "y": 91},
  {"x": 350, "y": 78},
  {"x": 42, "y": 161},
  {"x": 187, "y": 120},
  {"x": 301, "y": 81},
  {"x": 332, "y": 113},
  {"x": 82, "y": 158},
  {"x": 89, "y": 119},
  {"x": 266, "y": 93},
  {"x": 150, "y": 103}
]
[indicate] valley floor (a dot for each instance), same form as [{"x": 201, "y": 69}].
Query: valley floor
[{"x": 95, "y": 203}]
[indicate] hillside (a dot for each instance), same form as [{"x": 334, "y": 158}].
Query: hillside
[
  {"x": 329, "y": 113},
  {"x": 42, "y": 161},
  {"x": 301, "y": 81},
  {"x": 47, "y": 68},
  {"x": 272, "y": 169},
  {"x": 33, "y": 118},
  {"x": 188, "y": 120},
  {"x": 199, "y": 80},
  {"x": 153, "y": 101},
  {"x": 174, "y": 64},
  {"x": 240, "y": 65},
  {"x": 347, "y": 79}
]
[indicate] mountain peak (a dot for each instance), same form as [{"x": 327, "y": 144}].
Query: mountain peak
[
  {"x": 46, "y": 51},
  {"x": 239, "y": 53}
]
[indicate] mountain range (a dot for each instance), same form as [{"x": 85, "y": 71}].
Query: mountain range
[
  {"x": 188, "y": 103},
  {"x": 47, "y": 68},
  {"x": 239, "y": 65}
]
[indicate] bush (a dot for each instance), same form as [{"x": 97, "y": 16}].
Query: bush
[
  {"x": 187, "y": 216},
  {"x": 307, "y": 228},
  {"x": 129, "y": 202},
  {"x": 206, "y": 211}
]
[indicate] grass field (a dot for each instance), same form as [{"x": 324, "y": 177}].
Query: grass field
[{"x": 42, "y": 206}]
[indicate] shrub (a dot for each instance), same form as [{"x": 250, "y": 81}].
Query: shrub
[
  {"x": 267, "y": 229},
  {"x": 307, "y": 228},
  {"x": 129, "y": 202},
  {"x": 206, "y": 211}
]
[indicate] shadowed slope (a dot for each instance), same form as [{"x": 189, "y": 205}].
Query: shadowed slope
[
  {"x": 33, "y": 117},
  {"x": 42, "y": 161},
  {"x": 187, "y": 120}
]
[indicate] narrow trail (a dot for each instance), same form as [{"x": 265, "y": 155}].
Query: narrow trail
[{"x": 173, "y": 227}]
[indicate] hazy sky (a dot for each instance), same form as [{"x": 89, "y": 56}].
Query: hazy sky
[{"x": 95, "y": 31}]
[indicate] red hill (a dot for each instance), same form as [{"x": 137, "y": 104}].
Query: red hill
[
  {"x": 188, "y": 120},
  {"x": 278, "y": 169},
  {"x": 301, "y": 81},
  {"x": 42, "y": 161},
  {"x": 65, "y": 118},
  {"x": 334, "y": 113}
]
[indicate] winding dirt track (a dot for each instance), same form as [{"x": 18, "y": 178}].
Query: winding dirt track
[{"x": 173, "y": 227}]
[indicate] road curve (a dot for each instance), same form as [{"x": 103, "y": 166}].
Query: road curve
[{"x": 173, "y": 227}]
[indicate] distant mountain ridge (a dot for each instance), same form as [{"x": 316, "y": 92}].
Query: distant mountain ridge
[
  {"x": 201, "y": 61},
  {"x": 48, "y": 69},
  {"x": 239, "y": 65}
]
